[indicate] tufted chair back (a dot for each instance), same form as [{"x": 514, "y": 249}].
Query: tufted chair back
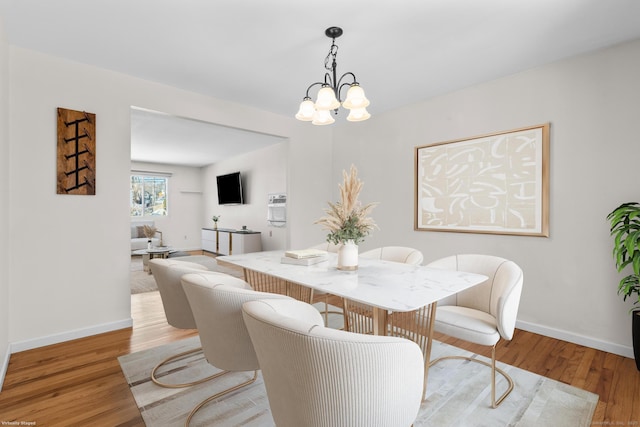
[
  {"x": 499, "y": 296},
  {"x": 216, "y": 302},
  {"x": 396, "y": 254},
  {"x": 317, "y": 376},
  {"x": 167, "y": 273}
]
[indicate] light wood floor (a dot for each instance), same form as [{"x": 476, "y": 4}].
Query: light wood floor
[{"x": 80, "y": 382}]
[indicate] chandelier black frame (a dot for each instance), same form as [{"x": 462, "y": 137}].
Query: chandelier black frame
[{"x": 329, "y": 96}]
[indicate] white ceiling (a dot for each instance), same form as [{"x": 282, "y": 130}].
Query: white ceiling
[
  {"x": 266, "y": 53},
  {"x": 161, "y": 138}
]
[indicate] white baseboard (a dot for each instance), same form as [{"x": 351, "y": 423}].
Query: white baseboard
[
  {"x": 609, "y": 347},
  {"x": 5, "y": 366},
  {"x": 70, "y": 335}
]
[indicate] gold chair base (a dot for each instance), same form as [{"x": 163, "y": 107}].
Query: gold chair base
[
  {"x": 181, "y": 385},
  {"x": 220, "y": 394},
  {"x": 494, "y": 369}
]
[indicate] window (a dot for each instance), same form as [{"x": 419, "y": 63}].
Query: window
[{"x": 148, "y": 195}]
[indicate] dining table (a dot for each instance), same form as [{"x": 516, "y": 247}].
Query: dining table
[{"x": 387, "y": 287}]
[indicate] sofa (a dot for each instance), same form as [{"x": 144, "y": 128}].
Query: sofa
[{"x": 138, "y": 239}]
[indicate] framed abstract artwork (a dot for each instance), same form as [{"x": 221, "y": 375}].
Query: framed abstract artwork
[{"x": 496, "y": 183}]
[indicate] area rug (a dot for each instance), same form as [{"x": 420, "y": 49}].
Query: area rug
[
  {"x": 141, "y": 281},
  {"x": 458, "y": 394}
]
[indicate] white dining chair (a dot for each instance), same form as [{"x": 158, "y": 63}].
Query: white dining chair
[
  {"x": 216, "y": 302},
  {"x": 167, "y": 274},
  {"x": 317, "y": 376},
  {"x": 401, "y": 254},
  {"x": 482, "y": 314}
]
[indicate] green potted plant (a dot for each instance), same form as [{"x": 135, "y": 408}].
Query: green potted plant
[
  {"x": 625, "y": 228},
  {"x": 347, "y": 221}
]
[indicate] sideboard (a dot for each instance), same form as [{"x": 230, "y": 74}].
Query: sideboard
[{"x": 225, "y": 241}]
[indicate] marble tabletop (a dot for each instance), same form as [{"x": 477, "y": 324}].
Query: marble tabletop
[{"x": 383, "y": 284}]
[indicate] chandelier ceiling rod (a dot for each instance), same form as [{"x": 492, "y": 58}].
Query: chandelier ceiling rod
[{"x": 329, "y": 96}]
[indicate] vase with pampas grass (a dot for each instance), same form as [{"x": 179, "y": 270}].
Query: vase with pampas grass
[
  {"x": 348, "y": 221},
  {"x": 149, "y": 231}
]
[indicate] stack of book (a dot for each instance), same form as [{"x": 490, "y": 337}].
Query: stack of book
[{"x": 304, "y": 257}]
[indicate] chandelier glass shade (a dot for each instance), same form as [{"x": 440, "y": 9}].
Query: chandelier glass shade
[
  {"x": 329, "y": 94},
  {"x": 322, "y": 117}
]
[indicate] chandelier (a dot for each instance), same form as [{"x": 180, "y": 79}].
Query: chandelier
[{"x": 329, "y": 95}]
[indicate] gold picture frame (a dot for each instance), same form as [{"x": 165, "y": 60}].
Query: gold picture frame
[{"x": 496, "y": 183}]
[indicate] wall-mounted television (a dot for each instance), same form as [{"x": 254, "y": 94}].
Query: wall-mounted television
[{"x": 230, "y": 189}]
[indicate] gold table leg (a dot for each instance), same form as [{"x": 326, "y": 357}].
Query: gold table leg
[
  {"x": 427, "y": 353},
  {"x": 379, "y": 321},
  {"x": 416, "y": 326}
]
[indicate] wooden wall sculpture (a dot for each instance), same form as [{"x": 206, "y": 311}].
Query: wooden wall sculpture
[{"x": 76, "y": 152}]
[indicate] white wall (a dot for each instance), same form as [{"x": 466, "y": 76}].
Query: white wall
[
  {"x": 68, "y": 285},
  {"x": 69, "y": 271},
  {"x": 263, "y": 171},
  {"x": 592, "y": 104},
  {"x": 4, "y": 203},
  {"x": 310, "y": 184},
  {"x": 180, "y": 229}
]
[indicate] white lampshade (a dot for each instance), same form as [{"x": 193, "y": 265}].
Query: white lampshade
[
  {"x": 322, "y": 117},
  {"x": 306, "y": 111},
  {"x": 355, "y": 98},
  {"x": 358, "y": 115},
  {"x": 327, "y": 99}
]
